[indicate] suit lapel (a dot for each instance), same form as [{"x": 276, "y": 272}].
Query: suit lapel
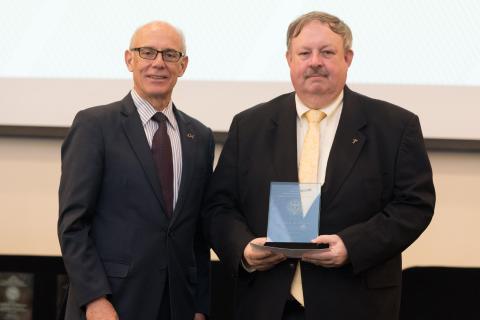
[
  {"x": 347, "y": 144},
  {"x": 138, "y": 141},
  {"x": 188, "y": 140},
  {"x": 284, "y": 140}
]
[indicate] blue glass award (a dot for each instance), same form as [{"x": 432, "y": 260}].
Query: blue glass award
[{"x": 293, "y": 215}]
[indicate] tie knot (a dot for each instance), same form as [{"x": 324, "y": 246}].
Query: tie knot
[
  {"x": 314, "y": 116},
  {"x": 159, "y": 117}
]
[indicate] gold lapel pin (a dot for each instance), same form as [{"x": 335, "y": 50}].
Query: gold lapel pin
[
  {"x": 190, "y": 135},
  {"x": 354, "y": 140}
]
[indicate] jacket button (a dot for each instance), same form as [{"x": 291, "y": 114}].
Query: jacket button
[{"x": 292, "y": 265}]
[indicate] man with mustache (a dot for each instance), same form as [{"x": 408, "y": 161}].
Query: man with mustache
[
  {"x": 377, "y": 194},
  {"x": 132, "y": 185}
]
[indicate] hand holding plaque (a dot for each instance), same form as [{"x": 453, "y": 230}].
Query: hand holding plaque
[{"x": 293, "y": 218}]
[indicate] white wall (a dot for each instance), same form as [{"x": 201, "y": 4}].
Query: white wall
[{"x": 30, "y": 171}]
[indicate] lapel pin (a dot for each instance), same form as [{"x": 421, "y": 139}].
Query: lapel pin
[
  {"x": 190, "y": 135},
  {"x": 354, "y": 140}
]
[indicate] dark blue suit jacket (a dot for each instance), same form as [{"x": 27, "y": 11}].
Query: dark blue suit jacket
[{"x": 115, "y": 238}]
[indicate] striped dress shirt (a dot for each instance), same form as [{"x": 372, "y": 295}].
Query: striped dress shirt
[{"x": 146, "y": 111}]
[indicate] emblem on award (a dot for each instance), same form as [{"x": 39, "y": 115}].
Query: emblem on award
[{"x": 295, "y": 207}]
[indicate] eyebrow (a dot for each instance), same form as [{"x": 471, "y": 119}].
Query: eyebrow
[{"x": 326, "y": 46}]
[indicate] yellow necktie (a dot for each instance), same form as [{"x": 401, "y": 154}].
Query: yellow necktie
[{"x": 308, "y": 173}]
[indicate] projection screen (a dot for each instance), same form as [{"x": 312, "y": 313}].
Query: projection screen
[{"x": 60, "y": 56}]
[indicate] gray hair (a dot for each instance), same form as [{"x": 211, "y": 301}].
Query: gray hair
[{"x": 334, "y": 23}]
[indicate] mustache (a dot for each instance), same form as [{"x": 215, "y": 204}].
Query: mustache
[{"x": 316, "y": 72}]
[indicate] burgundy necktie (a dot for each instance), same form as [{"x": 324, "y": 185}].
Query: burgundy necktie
[{"x": 162, "y": 157}]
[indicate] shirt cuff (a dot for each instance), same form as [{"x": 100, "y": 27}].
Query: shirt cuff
[{"x": 246, "y": 267}]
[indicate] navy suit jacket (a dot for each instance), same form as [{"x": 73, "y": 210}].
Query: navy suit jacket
[
  {"x": 378, "y": 196},
  {"x": 115, "y": 238}
]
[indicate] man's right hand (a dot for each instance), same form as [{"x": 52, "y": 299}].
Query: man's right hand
[
  {"x": 261, "y": 260},
  {"x": 101, "y": 309}
]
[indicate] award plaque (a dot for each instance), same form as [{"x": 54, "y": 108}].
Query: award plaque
[
  {"x": 16, "y": 296},
  {"x": 294, "y": 215}
]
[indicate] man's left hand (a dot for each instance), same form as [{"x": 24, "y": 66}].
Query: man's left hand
[
  {"x": 333, "y": 257},
  {"x": 199, "y": 316}
]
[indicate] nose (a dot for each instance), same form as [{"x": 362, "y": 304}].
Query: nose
[
  {"x": 158, "y": 61},
  {"x": 316, "y": 59}
]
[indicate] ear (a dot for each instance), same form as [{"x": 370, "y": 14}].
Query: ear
[
  {"x": 129, "y": 60},
  {"x": 349, "y": 57},
  {"x": 288, "y": 56},
  {"x": 183, "y": 65}
]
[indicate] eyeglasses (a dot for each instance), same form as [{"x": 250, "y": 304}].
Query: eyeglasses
[{"x": 168, "y": 55}]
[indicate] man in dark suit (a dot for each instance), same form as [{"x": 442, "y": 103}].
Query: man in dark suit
[
  {"x": 377, "y": 194},
  {"x": 132, "y": 185}
]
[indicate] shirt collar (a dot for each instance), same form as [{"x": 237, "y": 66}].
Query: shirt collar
[
  {"x": 146, "y": 110},
  {"x": 328, "y": 110}
]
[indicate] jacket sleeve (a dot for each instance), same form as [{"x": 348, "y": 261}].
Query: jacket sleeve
[
  {"x": 226, "y": 226},
  {"x": 202, "y": 249},
  {"x": 405, "y": 216},
  {"x": 80, "y": 183}
]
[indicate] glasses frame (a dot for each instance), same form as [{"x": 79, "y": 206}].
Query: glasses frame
[{"x": 162, "y": 52}]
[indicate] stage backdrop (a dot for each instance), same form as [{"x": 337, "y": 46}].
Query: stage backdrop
[{"x": 60, "y": 56}]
